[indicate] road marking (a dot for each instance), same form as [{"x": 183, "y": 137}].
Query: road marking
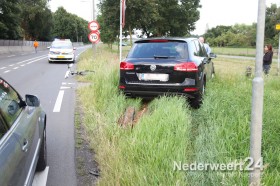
[
  {"x": 7, "y": 71},
  {"x": 11, "y": 65},
  {"x": 64, "y": 88},
  {"x": 58, "y": 102},
  {"x": 11, "y": 55},
  {"x": 15, "y": 68},
  {"x": 40, "y": 178},
  {"x": 37, "y": 59},
  {"x": 64, "y": 83},
  {"x": 2, "y": 68}
]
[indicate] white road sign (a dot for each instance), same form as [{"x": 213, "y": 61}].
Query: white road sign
[
  {"x": 93, "y": 25},
  {"x": 94, "y": 37}
]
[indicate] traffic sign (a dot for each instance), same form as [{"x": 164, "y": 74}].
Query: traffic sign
[
  {"x": 277, "y": 27},
  {"x": 93, "y": 25},
  {"x": 94, "y": 37}
]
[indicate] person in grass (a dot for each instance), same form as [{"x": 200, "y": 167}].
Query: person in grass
[
  {"x": 207, "y": 47},
  {"x": 267, "y": 58}
]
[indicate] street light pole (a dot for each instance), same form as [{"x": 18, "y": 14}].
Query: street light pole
[{"x": 257, "y": 102}]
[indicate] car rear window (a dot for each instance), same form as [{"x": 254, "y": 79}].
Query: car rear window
[{"x": 176, "y": 50}]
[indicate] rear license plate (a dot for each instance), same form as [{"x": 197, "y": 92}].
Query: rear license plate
[
  {"x": 153, "y": 77},
  {"x": 60, "y": 56}
]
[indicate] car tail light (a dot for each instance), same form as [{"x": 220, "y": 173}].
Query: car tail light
[
  {"x": 186, "y": 67},
  {"x": 190, "y": 89},
  {"x": 126, "y": 66}
]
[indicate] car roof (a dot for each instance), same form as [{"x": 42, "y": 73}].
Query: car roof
[{"x": 178, "y": 39}]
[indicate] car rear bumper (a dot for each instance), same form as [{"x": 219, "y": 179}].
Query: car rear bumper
[{"x": 145, "y": 91}]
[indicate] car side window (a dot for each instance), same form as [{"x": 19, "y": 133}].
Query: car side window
[
  {"x": 203, "y": 50},
  {"x": 9, "y": 103},
  {"x": 197, "y": 48}
]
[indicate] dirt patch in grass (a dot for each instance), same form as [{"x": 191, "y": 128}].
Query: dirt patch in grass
[{"x": 131, "y": 116}]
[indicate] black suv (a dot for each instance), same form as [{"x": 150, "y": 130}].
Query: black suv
[{"x": 158, "y": 66}]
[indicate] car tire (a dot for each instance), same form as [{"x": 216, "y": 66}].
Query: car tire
[
  {"x": 42, "y": 161},
  {"x": 197, "y": 100}
]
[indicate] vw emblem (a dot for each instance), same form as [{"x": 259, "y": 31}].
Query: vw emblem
[{"x": 153, "y": 67}]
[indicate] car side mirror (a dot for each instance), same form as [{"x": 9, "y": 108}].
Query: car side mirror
[
  {"x": 212, "y": 55},
  {"x": 32, "y": 101}
]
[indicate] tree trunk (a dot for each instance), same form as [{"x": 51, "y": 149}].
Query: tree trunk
[{"x": 130, "y": 33}]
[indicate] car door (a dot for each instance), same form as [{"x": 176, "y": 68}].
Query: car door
[{"x": 17, "y": 147}]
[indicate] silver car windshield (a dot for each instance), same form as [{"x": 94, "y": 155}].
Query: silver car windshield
[{"x": 62, "y": 45}]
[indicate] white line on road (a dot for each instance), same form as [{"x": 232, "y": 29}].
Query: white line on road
[
  {"x": 15, "y": 68},
  {"x": 38, "y": 58},
  {"x": 64, "y": 83},
  {"x": 40, "y": 178},
  {"x": 58, "y": 102},
  {"x": 11, "y": 56},
  {"x": 2, "y": 68},
  {"x": 7, "y": 71},
  {"x": 64, "y": 88}
]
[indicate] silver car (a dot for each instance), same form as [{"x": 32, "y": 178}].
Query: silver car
[
  {"x": 61, "y": 50},
  {"x": 22, "y": 137}
]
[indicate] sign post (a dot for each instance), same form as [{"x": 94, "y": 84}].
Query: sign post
[
  {"x": 277, "y": 27},
  {"x": 94, "y": 35}
]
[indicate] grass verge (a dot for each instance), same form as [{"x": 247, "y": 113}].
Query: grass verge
[{"x": 219, "y": 132}]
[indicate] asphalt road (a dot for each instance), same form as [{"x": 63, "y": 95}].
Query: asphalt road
[{"x": 30, "y": 73}]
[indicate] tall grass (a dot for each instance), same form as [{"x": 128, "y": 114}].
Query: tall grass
[
  {"x": 218, "y": 132},
  {"x": 223, "y": 131}
]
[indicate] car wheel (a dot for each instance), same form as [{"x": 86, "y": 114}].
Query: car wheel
[
  {"x": 197, "y": 100},
  {"x": 42, "y": 162}
]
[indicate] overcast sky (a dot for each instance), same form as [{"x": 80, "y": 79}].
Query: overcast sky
[{"x": 212, "y": 13}]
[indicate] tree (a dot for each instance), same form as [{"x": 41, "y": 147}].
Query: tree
[
  {"x": 153, "y": 17},
  {"x": 10, "y": 19},
  {"x": 68, "y": 26},
  {"x": 163, "y": 17},
  {"x": 109, "y": 21},
  {"x": 176, "y": 18},
  {"x": 272, "y": 18},
  {"x": 36, "y": 19}
]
